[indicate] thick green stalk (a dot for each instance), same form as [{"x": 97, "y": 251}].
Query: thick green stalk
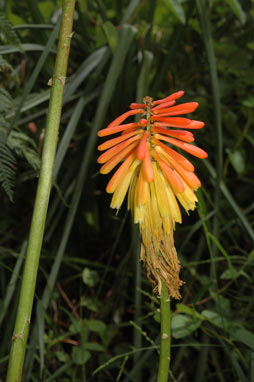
[
  {"x": 137, "y": 335},
  {"x": 19, "y": 339},
  {"x": 165, "y": 335}
]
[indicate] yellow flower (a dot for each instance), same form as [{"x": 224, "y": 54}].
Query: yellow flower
[{"x": 156, "y": 178}]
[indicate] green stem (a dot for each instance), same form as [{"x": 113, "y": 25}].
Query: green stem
[
  {"x": 137, "y": 335},
  {"x": 165, "y": 335},
  {"x": 19, "y": 339}
]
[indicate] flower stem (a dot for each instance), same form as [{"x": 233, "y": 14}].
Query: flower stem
[
  {"x": 165, "y": 335},
  {"x": 19, "y": 338}
]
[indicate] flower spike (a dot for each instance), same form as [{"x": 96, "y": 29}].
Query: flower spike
[{"x": 155, "y": 176}]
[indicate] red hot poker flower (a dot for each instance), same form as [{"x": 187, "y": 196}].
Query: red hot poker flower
[{"x": 155, "y": 177}]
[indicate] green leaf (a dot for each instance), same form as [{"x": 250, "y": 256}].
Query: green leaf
[
  {"x": 97, "y": 326},
  {"x": 244, "y": 336},
  {"x": 250, "y": 45},
  {"x": 244, "y": 274},
  {"x": 181, "y": 308},
  {"x": 222, "y": 250},
  {"x": 157, "y": 316},
  {"x": 237, "y": 9},
  {"x": 216, "y": 319},
  {"x": 46, "y": 8},
  {"x": 62, "y": 356},
  {"x": 183, "y": 325},
  {"x": 91, "y": 303},
  {"x": 130, "y": 10},
  {"x": 239, "y": 334},
  {"x": 94, "y": 346},
  {"x": 176, "y": 8},
  {"x": 248, "y": 101},
  {"x": 89, "y": 277},
  {"x": 229, "y": 274},
  {"x": 13, "y": 17},
  {"x": 111, "y": 35},
  {"x": 75, "y": 325},
  {"x": 80, "y": 356},
  {"x": 236, "y": 158},
  {"x": 251, "y": 256},
  {"x": 222, "y": 304},
  {"x": 7, "y": 49}
]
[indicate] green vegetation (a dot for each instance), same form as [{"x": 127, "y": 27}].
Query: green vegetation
[{"x": 94, "y": 317}]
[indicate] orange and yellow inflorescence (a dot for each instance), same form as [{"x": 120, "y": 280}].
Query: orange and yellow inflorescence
[{"x": 155, "y": 176}]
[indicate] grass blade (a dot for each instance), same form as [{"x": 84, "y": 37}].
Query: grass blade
[
  {"x": 12, "y": 283},
  {"x": 231, "y": 201},
  {"x": 35, "y": 74}
]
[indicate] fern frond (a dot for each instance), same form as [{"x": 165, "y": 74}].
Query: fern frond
[
  {"x": 6, "y": 102},
  {"x": 7, "y": 158},
  {"x": 4, "y": 64},
  {"x": 4, "y": 124},
  {"x": 7, "y": 33},
  {"x": 24, "y": 147},
  {"x": 7, "y": 168}
]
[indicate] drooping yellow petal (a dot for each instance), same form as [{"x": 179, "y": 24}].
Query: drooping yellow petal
[
  {"x": 155, "y": 215},
  {"x": 142, "y": 189},
  {"x": 187, "y": 198},
  {"x": 139, "y": 209},
  {"x": 122, "y": 188},
  {"x": 132, "y": 190},
  {"x": 159, "y": 192},
  {"x": 175, "y": 212}
]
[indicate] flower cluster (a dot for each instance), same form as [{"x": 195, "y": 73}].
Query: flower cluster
[{"x": 155, "y": 177}]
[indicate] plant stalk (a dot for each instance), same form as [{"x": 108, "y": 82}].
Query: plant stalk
[
  {"x": 19, "y": 338},
  {"x": 165, "y": 335}
]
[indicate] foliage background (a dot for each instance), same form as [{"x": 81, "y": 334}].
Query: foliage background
[{"x": 94, "y": 306}]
